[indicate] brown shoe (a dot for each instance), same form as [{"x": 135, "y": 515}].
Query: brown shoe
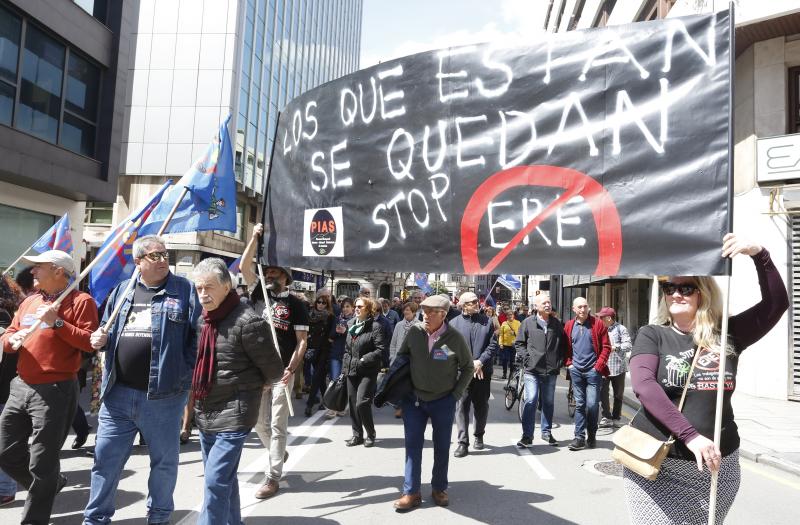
[
  {"x": 267, "y": 490},
  {"x": 407, "y": 502},
  {"x": 440, "y": 497}
]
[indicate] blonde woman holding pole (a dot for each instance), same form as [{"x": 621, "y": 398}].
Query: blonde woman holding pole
[{"x": 689, "y": 322}]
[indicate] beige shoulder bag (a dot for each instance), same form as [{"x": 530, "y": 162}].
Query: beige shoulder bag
[{"x": 641, "y": 452}]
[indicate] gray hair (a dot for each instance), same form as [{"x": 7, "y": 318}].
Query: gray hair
[
  {"x": 140, "y": 245},
  {"x": 213, "y": 266}
]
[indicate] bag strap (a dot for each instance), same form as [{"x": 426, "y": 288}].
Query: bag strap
[
  {"x": 688, "y": 380},
  {"x": 671, "y": 438}
]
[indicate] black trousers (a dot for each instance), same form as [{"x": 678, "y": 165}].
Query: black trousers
[
  {"x": 360, "y": 392},
  {"x": 618, "y": 383},
  {"x": 477, "y": 397},
  {"x": 318, "y": 383},
  {"x": 43, "y": 413}
]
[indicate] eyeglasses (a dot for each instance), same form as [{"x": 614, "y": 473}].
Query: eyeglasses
[
  {"x": 685, "y": 289},
  {"x": 157, "y": 256},
  {"x": 322, "y": 301},
  {"x": 429, "y": 311}
]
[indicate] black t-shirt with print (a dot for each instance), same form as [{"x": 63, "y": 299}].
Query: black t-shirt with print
[
  {"x": 289, "y": 313},
  {"x": 136, "y": 341},
  {"x": 676, "y": 351}
]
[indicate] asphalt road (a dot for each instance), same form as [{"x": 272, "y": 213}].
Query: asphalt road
[{"x": 326, "y": 482}]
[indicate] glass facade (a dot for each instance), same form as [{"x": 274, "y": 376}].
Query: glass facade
[
  {"x": 46, "y": 88},
  {"x": 290, "y": 46}
]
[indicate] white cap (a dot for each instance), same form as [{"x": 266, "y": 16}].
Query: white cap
[{"x": 57, "y": 257}]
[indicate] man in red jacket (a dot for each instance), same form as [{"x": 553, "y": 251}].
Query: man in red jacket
[
  {"x": 44, "y": 396},
  {"x": 588, "y": 348}
]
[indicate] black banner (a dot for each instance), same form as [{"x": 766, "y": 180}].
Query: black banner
[{"x": 599, "y": 152}]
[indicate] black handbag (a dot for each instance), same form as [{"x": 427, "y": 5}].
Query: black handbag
[{"x": 335, "y": 396}]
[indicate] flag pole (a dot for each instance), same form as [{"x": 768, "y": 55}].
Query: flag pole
[
  {"x": 75, "y": 283},
  {"x": 132, "y": 280},
  {"x": 260, "y": 254},
  {"x": 19, "y": 258}
]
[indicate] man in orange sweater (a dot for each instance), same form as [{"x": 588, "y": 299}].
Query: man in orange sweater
[{"x": 44, "y": 396}]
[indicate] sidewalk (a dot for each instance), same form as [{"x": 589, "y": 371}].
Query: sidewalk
[{"x": 769, "y": 429}]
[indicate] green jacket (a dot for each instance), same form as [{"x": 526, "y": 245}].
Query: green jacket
[{"x": 435, "y": 378}]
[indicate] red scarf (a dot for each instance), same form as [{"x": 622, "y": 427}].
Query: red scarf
[{"x": 204, "y": 372}]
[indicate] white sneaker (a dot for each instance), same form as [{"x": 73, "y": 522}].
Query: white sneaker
[
  {"x": 340, "y": 414},
  {"x": 605, "y": 423},
  {"x": 330, "y": 414}
]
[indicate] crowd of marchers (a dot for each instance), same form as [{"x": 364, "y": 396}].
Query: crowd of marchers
[{"x": 176, "y": 353}]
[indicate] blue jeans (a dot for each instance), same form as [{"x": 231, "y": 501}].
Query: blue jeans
[
  {"x": 586, "y": 387},
  {"x": 416, "y": 413},
  {"x": 335, "y": 368},
  {"x": 221, "y": 454},
  {"x": 126, "y": 411},
  {"x": 538, "y": 385},
  {"x": 8, "y": 487}
]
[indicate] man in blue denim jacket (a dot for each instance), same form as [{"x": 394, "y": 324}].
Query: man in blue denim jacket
[{"x": 150, "y": 353}]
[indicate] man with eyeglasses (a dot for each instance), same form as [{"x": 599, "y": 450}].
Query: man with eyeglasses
[
  {"x": 588, "y": 348},
  {"x": 441, "y": 368},
  {"x": 477, "y": 331},
  {"x": 44, "y": 395},
  {"x": 150, "y": 353}
]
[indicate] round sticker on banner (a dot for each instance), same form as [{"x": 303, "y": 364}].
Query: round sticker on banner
[{"x": 322, "y": 232}]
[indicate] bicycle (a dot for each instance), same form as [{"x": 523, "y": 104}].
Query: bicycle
[
  {"x": 515, "y": 387},
  {"x": 570, "y": 395}
]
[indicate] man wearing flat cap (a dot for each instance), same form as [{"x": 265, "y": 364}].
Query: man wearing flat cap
[
  {"x": 289, "y": 316},
  {"x": 620, "y": 341},
  {"x": 44, "y": 395},
  {"x": 477, "y": 330},
  {"x": 441, "y": 368}
]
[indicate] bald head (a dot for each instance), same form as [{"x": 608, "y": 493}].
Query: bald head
[{"x": 581, "y": 308}]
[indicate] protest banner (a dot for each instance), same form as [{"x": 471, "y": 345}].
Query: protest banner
[{"x": 604, "y": 152}]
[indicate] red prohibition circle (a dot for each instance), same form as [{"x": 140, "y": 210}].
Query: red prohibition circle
[{"x": 574, "y": 183}]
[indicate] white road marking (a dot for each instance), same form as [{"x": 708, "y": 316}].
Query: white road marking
[
  {"x": 247, "y": 490},
  {"x": 533, "y": 462}
]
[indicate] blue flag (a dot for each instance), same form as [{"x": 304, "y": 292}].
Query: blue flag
[
  {"x": 117, "y": 264},
  {"x": 509, "y": 281},
  {"x": 58, "y": 237},
  {"x": 211, "y": 201},
  {"x": 234, "y": 267},
  {"x": 421, "y": 280}
]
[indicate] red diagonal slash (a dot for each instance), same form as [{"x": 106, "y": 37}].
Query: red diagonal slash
[{"x": 604, "y": 212}]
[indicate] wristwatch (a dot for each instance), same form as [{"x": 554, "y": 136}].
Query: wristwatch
[{"x": 58, "y": 323}]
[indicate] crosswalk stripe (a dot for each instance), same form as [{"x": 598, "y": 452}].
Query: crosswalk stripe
[
  {"x": 247, "y": 490},
  {"x": 533, "y": 462}
]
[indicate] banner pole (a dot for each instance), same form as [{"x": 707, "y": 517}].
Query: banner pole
[
  {"x": 272, "y": 328},
  {"x": 18, "y": 259},
  {"x": 712, "y": 497},
  {"x": 260, "y": 254},
  {"x": 135, "y": 275}
]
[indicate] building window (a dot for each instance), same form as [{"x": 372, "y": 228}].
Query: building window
[
  {"x": 18, "y": 228},
  {"x": 794, "y": 100},
  {"x": 604, "y": 13},
  {"x": 58, "y": 89},
  {"x": 42, "y": 79},
  {"x": 99, "y": 213},
  {"x": 239, "y": 235}
]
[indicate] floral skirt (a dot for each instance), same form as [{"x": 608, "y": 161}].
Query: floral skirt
[{"x": 680, "y": 493}]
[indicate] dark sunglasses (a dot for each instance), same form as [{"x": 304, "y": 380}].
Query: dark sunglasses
[
  {"x": 322, "y": 301},
  {"x": 684, "y": 289},
  {"x": 157, "y": 256}
]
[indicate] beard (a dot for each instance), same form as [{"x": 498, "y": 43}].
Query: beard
[{"x": 274, "y": 286}]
